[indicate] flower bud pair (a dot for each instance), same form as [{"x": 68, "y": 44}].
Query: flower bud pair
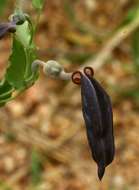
[{"x": 97, "y": 113}]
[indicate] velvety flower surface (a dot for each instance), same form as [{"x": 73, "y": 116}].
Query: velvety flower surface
[
  {"x": 97, "y": 113},
  {"x": 107, "y": 120},
  {"x": 6, "y": 28}
]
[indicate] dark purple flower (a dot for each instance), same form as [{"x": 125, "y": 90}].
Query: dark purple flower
[
  {"x": 9, "y": 27},
  {"x": 97, "y": 113}
]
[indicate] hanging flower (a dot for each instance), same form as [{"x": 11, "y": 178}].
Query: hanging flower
[{"x": 97, "y": 113}]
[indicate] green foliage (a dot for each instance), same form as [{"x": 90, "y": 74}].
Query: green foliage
[
  {"x": 38, "y": 4},
  {"x": 17, "y": 65},
  {"x": 19, "y": 75},
  {"x": 5, "y": 92}
]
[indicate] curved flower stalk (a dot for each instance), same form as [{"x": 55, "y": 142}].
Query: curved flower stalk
[{"x": 97, "y": 113}]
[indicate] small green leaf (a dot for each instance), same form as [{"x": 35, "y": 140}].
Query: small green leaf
[
  {"x": 6, "y": 95},
  {"x": 5, "y": 92},
  {"x": 24, "y": 35},
  {"x": 38, "y": 4},
  {"x": 4, "y": 87},
  {"x": 19, "y": 75},
  {"x": 17, "y": 65}
]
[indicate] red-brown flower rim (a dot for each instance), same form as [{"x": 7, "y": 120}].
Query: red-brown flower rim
[
  {"x": 76, "y": 77},
  {"x": 89, "y": 71}
]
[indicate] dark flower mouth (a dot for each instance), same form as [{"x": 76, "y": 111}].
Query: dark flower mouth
[
  {"x": 5, "y": 28},
  {"x": 10, "y": 27},
  {"x": 89, "y": 71},
  {"x": 76, "y": 77},
  {"x": 97, "y": 113}
]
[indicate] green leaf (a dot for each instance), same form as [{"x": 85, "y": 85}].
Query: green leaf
[
  {"x": 24, "y": 34},
  {"x": 38, "y": 4},
  {"x": 6, "y": 95},
  {"x": 19, "y": 75},
  {"x": 5, "y": 92},
  {"x": 17, "y": 65},
  {"x": 4, "y": 87}
]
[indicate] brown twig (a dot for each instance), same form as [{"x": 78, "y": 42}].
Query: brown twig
[
  {"x": 113, "y": 42},
  {"x": 106, "y": 51}
]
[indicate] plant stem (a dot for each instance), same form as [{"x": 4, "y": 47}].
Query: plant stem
[
  {"x": 19, "y": 5},
  {"x": 112, "y": 43},
  {"x": 52, "y": 69},
  {"x": 37, "y": 21}
]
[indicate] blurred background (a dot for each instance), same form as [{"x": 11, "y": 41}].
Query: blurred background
[{"x": 43, "y": 144}]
